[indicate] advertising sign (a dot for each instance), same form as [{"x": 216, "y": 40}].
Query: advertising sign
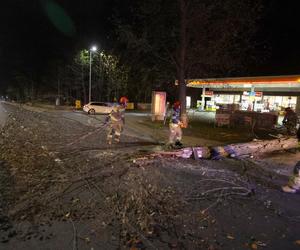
[
  {"x": 258, "y": 94},
  {"x": 158, "y": 109},
  {"x": 209, "y": 93}
]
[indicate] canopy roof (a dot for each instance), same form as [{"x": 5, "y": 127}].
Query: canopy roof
[{"x": 290, "y": 83}]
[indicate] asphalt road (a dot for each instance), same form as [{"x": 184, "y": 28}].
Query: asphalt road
[
  {"x": 272, "y": 217},
  {"x": 131, "y": 128}
]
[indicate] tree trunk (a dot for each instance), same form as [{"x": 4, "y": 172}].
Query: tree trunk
[
  {"x": 255, "y": 147},
  {"x": 83, "y": 85},
  {"x": 182, "y": 58},
  {"x": 298, "y": 106},
  {"x": 234, "y": 150}
]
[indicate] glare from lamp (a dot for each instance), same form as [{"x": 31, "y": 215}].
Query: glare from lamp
[{"x": 94, "y": 48}]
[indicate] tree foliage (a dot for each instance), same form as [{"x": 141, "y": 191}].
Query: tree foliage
[
  {"x": 180, "y": 39},
  {"x": 70, "y": 81},
  {"x": 155, "y": 42},
  {"x": 109, "y": 77}
]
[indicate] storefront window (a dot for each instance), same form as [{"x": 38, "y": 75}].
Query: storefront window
[
  {"x": 262, "y": 103},
  {"x": 227, "y": 99},
  {"x": 278, "y": 103}
]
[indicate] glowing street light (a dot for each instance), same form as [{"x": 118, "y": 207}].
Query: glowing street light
[{"x": 92, "y": 49}]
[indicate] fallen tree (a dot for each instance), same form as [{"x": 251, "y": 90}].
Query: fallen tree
[{"x": 256, "y": 147}]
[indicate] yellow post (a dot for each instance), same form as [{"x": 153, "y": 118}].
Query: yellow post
[
  {"x": 78, "y": 104},
  {"x": 130, "y": 105}
]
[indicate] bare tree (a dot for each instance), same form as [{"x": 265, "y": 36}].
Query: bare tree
[{"x": 189, "y": 37}]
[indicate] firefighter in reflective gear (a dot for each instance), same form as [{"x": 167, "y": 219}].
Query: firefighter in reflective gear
[
  {"x": 175, "y": 131},
  {"x": 290, "y": 121},
  {"x": 116, "y": 123},
  {"x": 123, "y": 104},
  {"x": 293, "y": 184}
]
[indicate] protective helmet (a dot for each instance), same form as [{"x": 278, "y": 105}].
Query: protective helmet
[
  {"x": 123, "y": 100},
  {"x": 176, "y": 104}
]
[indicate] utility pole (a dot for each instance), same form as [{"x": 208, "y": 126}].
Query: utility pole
[{"x": 94, "y": 48}]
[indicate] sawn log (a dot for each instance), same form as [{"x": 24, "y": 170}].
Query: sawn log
[{"x": 256, "y": 147}]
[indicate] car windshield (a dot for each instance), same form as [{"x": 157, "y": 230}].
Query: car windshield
[{"x": 99, "y": 104}]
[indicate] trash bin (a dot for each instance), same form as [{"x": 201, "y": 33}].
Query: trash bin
[
  {"x": 78, "y": 104},
  {"x": 130, "y": 105}
]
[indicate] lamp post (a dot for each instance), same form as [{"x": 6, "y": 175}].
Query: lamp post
[{"x": 93, "y": 49}]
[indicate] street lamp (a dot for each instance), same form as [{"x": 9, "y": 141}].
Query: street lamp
[{"x": 92, "y": 49}]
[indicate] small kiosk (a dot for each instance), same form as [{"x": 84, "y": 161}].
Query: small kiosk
[{"x": 158, "y": 106}]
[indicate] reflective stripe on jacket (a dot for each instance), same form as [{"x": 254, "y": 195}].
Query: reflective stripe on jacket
[{"x": 175, "y": 116}]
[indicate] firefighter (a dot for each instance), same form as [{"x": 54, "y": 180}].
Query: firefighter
[
  {"x": 290, "y": 121},
  {"x": 293, "y": 184},
  {"x": 123, "y": 103},
  {"x": 175, "y": 131},
  {"x": 116, "y": 123}
]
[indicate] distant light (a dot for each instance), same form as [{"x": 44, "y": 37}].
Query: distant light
[
  {"x": 94, "y": 48},
  {"x": 298, "y": 80}
]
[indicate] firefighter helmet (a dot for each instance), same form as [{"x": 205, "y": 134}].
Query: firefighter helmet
[{"x": 123, "y": 100}]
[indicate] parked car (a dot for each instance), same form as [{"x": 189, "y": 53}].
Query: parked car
[{"x": 98, "y": 107}]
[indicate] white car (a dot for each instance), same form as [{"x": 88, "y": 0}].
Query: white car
[{"x": 98, "y": 107}]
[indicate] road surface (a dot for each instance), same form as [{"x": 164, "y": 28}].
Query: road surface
[{"x": 59, "y": 192}]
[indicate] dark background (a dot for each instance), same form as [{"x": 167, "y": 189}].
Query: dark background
[
  {"x": 280, "y": 29},
  {"x": 29, "y": 40}
]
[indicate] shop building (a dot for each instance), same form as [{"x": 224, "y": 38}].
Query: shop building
[{"x": 260, "y": 94}]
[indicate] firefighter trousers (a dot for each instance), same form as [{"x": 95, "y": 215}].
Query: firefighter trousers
[
  {"x": 175, "y": 133},
  {"x": 114, "y": 132}
]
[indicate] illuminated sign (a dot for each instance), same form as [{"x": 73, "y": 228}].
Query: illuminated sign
[
  {"x": 258, "y": 94},
  {"x": 158, "y": 105},
  {"x": 253, "y": 93},
  {"x": 209, "y": 93}
]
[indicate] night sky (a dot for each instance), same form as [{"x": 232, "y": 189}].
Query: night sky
[
  {"x": 281, "y": 30},
  {"x": 29, "y": 37}
]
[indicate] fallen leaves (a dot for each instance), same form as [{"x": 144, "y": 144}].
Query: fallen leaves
[{"x": 139, "y": 206}]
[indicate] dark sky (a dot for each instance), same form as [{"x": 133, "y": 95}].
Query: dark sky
[
  {"x": 29, "y": 38},
  {"x": 281, "y": 28}
]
